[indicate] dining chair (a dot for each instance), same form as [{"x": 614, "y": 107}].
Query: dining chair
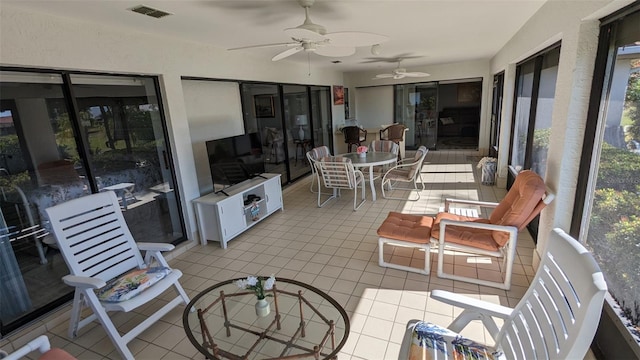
[
  {"x": 555, "y": 319},
  {"x": 107, "y": 269},
  {"x": 312, "y": 156},
  {"x": 383, "y": 146},
  {"x": 354, "y": 135},
  {"x": 338, "y": 173},
  {"x": 407, "y": 171},
  {"x": 395, "y": 133}
]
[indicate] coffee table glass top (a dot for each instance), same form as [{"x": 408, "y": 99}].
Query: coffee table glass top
[{"x": 225, "y": 325}]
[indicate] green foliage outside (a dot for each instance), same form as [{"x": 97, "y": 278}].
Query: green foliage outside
[{"x": 614, "y": 231}]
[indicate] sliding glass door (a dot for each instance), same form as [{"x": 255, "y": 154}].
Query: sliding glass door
[
  {"x": 291, "y": 120},
  {"x": 64, "y": 136}
]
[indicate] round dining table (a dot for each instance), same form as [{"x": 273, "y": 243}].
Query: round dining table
[{"x": 370, "y": 160}]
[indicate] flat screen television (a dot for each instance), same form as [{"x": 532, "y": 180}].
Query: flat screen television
[{"x": 234, "y": 159}]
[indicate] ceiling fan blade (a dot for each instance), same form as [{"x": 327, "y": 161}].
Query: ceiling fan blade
[
  {"x": 416, "y": 74},
  {"x": 355, "y": 38},
  {"x": 334, "y": 51},
  {"x": 384, "y": 76},
  {"x": 286, "y": 53},
  {"x": 266, "y": 45},
  {"x": 304, "y": 34}
]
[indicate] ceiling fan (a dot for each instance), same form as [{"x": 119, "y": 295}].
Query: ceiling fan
[
  {"x": 399, "y": 73},
  {"x": 312, "y": 37}
]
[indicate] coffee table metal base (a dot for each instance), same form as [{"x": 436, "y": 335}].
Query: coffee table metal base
[{"x": 267, "y": 333}]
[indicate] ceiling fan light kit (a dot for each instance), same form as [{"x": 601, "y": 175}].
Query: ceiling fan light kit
[{"x": 312, "y": 37}]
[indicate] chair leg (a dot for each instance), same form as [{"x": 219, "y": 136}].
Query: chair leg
[
  {"x": 76, "y": 310},
  {"x": 109, "y": 327},
  {"x": 506, "y": 285},
  {"x": 355, "y": 196},
  {"x": 393, "y": 242}
]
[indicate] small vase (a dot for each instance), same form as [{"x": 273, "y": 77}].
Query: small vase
[
  {"x": 262, "y": 308},
  {"x": 362, "y": 154}
]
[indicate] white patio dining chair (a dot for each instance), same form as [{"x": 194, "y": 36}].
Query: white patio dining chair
[
  {"x": 555, "y": 319},
  {"x": 407, "y": 171},
  {"x": 338, "y": 173},
  {"x": 313, "y": 155},
  {"x": 107, "y": 268}
]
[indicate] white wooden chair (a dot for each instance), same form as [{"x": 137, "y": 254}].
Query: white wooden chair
[
  {"x": 97, "y": 246},
  {"x": 407, "y": 171},
  {"x": 556, "y": 318},
  {"x": 338, "y": 173}
]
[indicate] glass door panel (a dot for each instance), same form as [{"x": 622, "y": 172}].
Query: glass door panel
[
  {"x": 321, "y": 116},
  {"x": 121, "y": 122},
  {"x": 416, "y": 108},
  {"x": 296, "y": 119},
  {"x": 521, "y": 118},
  {"x": 262, "y": 114},
  {"x": 40, "y": 166}
]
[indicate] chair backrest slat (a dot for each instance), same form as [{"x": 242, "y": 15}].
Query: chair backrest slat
[
  {"x": 93, "y": 236},
  {"x": 555, "y": 317}
]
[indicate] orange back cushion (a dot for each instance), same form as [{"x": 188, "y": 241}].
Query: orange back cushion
[{"x": 522, "y": 203}]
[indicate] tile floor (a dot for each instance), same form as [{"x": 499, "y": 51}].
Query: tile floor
[{"x": 332, "y": 248}]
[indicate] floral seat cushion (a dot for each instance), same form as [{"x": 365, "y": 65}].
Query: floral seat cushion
[
  {"x": 430, "y": 341},
  {"x": 131, "y": 284}
]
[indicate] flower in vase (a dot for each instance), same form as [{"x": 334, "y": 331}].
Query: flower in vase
[
  {"x": 362, "y": 149},
  {"x": 259, "y": 285}
]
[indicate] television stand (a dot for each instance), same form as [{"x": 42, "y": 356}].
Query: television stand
[{"x": 222, "y": 217}]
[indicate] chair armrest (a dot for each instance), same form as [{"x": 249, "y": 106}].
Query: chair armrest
[
  {"x": 477, "y": 225},
  {"x": 469, "y": 303},
  {"x": 154, "y": 251},
  {"x": 448, "y": 202},
  {"x": 83, "y": 281},
  {"x": 145, "y": 246},
  {"x": 41, "y": 343}
]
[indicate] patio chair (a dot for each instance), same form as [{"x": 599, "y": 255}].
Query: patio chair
[
  {"x": 313, "y": 155},
  {"x": 383, "y": 146},
  {"x": 98, "y": 248},
  {"x": 453, "y": 230},
  {"x": 555, "y": 319},
  {"x": 338, "y": 173},
  {"x": 393, "y": 133},
  {"x": 495, "y": 236},
  {"x": 354, "y": 135},
  {"x": 407, "y": 171}
]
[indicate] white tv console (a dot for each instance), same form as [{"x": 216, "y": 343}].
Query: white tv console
[{"x": 221, "y": 217}]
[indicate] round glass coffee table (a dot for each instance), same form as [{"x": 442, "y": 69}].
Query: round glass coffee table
[{"x": 303, "y": 323}]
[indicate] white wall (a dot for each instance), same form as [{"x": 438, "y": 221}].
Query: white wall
[
  {"x": 374, "y": 106},
  {"x": 213, "y": 110},
  {"x": 31, "y": 39}
]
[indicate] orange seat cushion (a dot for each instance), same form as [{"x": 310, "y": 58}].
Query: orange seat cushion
[
  {"x": 478, "y": 238},
  {"x": 406, "y": 227},
  {"x": 56, "y": 354}
]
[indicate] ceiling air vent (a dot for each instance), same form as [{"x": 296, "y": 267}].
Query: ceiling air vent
[{"x": 145, "y": 10}]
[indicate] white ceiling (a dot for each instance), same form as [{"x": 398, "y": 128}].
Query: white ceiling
[{"x": 440, "y": 31}]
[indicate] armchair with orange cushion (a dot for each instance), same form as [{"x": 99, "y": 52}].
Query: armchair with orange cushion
[{"x": 496, "y": 236}]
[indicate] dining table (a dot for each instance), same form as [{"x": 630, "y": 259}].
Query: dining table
[{"x": 370, "y": 160}]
